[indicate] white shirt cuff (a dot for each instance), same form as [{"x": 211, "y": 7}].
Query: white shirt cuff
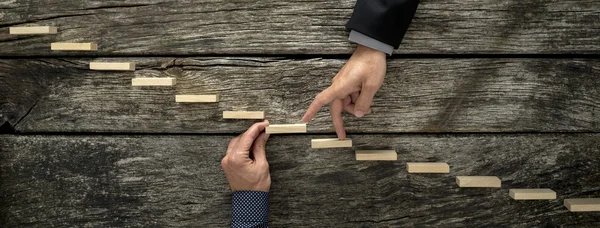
[{"x": 364, "y": 40}]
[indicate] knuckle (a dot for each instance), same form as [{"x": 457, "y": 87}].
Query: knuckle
[
  {"x": 231, "y": 160},
  {"x": 224, "y": 162},
  {"x": 265, "y": 166}
]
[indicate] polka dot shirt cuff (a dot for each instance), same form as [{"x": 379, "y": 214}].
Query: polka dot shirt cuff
[{"x": 249, "y": 209}]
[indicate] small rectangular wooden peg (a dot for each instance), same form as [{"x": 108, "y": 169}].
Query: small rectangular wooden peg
[
  {"x": 330, "y": 143},
  {"x": 286, "y": 128},
  {"x": 428, "y": 167},
  {"x": 153, "y": 82},
  {"x": 112, "y": 66},
  {"x": 532, "y": 194},
  {"x": 74, "y": 47},
  {"x": 33, "y": 30},
  {"x": 376, "y": 155},
  {"x": 258, "y": 115},
  {"x": 478, "y": 182},
  {"x": 582, "y": 204},
  {"x": 197, "y": 98}
]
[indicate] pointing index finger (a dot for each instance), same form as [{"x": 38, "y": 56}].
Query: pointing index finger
[{"x": 321, "y": 99}]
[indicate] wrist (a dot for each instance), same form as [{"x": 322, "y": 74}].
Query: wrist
[{"x": 364, "y": 50}]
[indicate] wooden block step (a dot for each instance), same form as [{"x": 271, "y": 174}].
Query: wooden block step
[
  {"x": 376, "y": 155},
  {"x": 243, "y": 115},
  {"x": 583, "y": 204},
  {"x": 330, "y": 143},
  {"x": 286, "y": 128},
  {"x": 197, "y": 98},
  {"x": 532, "y": 194},
  {"x": 153, "y": 82},
  {"x": 478, "y": 182},
  {"x": 33, "y": 30},
  {"x": 428, "y": 167},
  {"x": 74, "y": 46},
  {"x": 112, "y": 66}
]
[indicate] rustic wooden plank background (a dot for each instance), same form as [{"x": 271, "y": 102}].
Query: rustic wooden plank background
[
  {"x": 419, "y": 95},
  {"x": 176, "y": 181},
  {"x": 171, "y": 27},
  {"x": 136, "y": 169}
]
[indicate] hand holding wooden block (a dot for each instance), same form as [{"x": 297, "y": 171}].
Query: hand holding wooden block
[
  {"x": 243, "y": 115},
  {"x": 74, "y": 47},
  {"x": 532, "y": 194},
  {"x": 330, "y": 143},
  {"x": 478, "y": 182},
  {"x": 153, "y": 82},
  {"x": 376, "y": 155},
  {"x": 112, "y": 66},
  {"x": 428, "y": 167},
  {"x": 33, "y": 30},
  {"x": 583, "y": 204},
  {"x": 196, "y": 98},
  {"x": 285, "y": 128}
]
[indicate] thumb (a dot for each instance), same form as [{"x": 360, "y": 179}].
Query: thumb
[
  {"x": 363, "y": 103},
  {"x": 258, "y": 148},
  {"x": 247, "y": 139}
]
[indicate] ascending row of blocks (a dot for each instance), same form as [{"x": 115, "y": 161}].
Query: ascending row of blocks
[
  {"x": 39, "y": 30},
  {"x": 49, "y": 30}
]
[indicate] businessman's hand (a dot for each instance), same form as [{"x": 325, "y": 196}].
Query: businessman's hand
[
  {"x": 352, "y": 89},
  {"x": 245, "y": 164}
]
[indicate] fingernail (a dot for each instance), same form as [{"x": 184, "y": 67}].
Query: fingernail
[
  {"x": 360, "y": 114},
  {"x": 267, "y": 137}
]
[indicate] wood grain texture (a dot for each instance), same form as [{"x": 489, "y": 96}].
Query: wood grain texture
[
  {"x": 166, "y": 27},
  {"x": 418, "y": 95},
  {"x": 176, "y": 181}
]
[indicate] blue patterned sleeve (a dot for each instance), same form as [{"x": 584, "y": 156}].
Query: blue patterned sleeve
[{"x": 249, "y": 209}]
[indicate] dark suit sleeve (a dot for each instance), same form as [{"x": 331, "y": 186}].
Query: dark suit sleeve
[{"x": 383, "y": 20}]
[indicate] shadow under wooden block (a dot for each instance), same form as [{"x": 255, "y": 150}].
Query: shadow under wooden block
[
  {"x": 197, "y": 98},
  {"x": 74, "y": 46},
  {"x": 376, "y": 155},
  {"x": 153, "y": 82},
  {"x": 258, "y": 115},
  {"x": 285, "y": 128},
  {"x": 583, "y": 204},
  {"x": 330, "y": 143},
  {"x": 428, "y": 167},
  {"x": 532, "y": 194},
  {"x": 112, "y": 66},
  {"x": 478, "y": 182},
  {"x": 33, "y": 30}
]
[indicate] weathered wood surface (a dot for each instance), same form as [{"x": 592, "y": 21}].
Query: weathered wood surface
[
  {"x": 176, "y": 181},
  {"x": 419, "y": 95},
  {"x": 166, "y": 27}
]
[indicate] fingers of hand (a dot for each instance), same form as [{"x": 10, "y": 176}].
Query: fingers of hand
[
  {"x": 321, "y": 99},
  {"x": 335, "y": 110},
  {"x": 258, "y": 150},
  {"x": 247, "y": 139},
  {"x": 364, "y": 100}
]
